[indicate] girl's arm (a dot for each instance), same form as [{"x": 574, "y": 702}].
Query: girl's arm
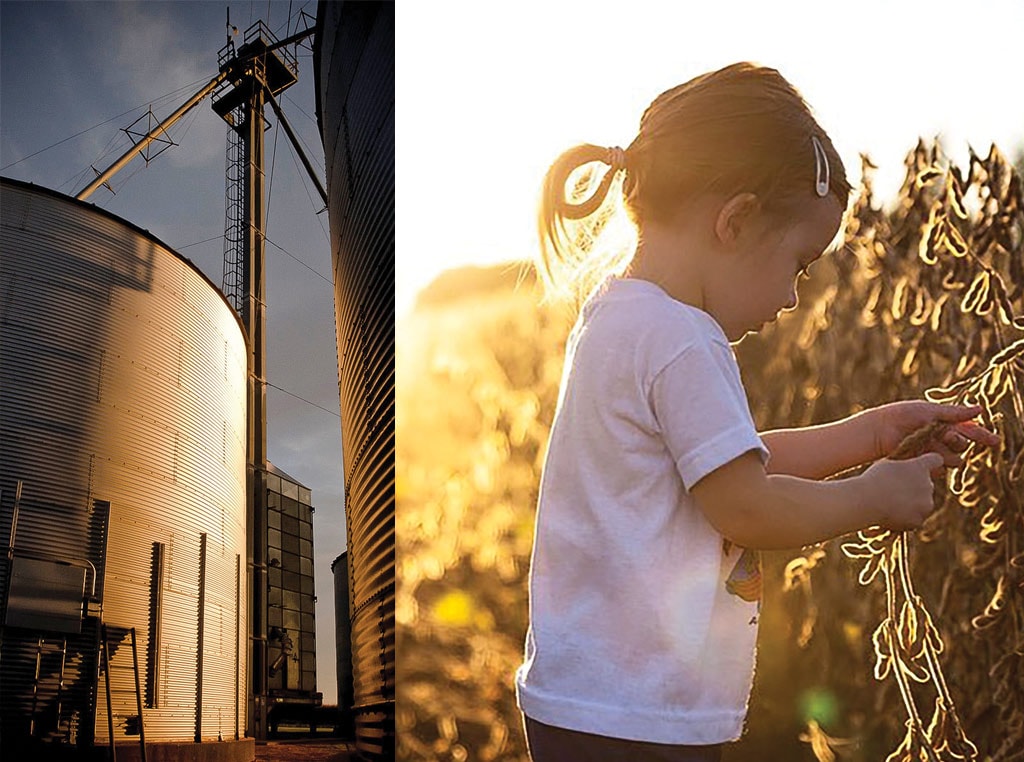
[
  {"x": 763, "y": 511},
  {"x": 817, "y": 452}
]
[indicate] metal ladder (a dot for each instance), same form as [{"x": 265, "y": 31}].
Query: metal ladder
[
  {"x": 105, "y": 660},
  {"x": 41, "y": 649}
]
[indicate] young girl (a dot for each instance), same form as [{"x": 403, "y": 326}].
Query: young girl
[{"x": 655, "y": 478}]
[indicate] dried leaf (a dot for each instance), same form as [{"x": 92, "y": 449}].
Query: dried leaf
[
  {"x": 954, "y": 241},
  {"x": 926, "y": 175},
  {"x": 975, "y": 292}
]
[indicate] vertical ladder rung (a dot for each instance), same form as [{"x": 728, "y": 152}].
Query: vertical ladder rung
[
  {"x": 138, "y": 696},
  {"x": 138, "y": 690},
  {"x": 42, "y": 649},
  {"x": 106, "y": 679}
]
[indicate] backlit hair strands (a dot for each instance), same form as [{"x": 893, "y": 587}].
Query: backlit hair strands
[{"x": 576, "y": 204}]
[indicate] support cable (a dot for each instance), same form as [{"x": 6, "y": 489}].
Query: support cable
[
  {"x": 304, "y": 112},
  {"x": 186, "y": 125},
  {"x": 311, "y": 269},
  {"x": 142, "y": 144},
  {"x": 302, "y": 399},
  {"x": 196, "y": 243},
  {"x": 100, "y": 124},
  {"x": 309, "y": 195},
  {"x": 180, "y": 131},
  {"x": 295, "y": 142},
  {"x": 106, "y": 201},
  {"x": 297, "y": 134},
  {"x": 270, "y": 182},
  {"x": 114, "y": 144}
]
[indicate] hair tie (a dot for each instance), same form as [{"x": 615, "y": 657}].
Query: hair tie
[
  {"x": 821, "y": 168},
  {"x": 616, "y": 158}
]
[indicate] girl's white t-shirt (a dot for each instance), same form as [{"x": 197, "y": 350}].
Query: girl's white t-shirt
[{"x": 632, "y": 631}]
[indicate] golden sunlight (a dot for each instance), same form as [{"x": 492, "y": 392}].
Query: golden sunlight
[{"x": 498, "y": 91}]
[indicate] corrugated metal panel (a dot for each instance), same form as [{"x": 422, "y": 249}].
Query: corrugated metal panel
[
  {"x": 355, "y": 102},
  {"x": 220, "y": 645},
  {"x": 123, "y": 377}
]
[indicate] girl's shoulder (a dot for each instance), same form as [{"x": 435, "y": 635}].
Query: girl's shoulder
[
  {"x": 642, "y": 309},
  {"x": 635, "y": 324}
]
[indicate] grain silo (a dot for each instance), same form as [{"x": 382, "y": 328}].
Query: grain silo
[
  {"x": 123, "y": 476},
  {"x": 354, "y": 66}
]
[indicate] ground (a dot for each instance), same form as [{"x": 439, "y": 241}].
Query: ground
[{"x": 305, "y": 750}]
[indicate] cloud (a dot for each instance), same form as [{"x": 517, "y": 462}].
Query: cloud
[{"x": 163, "y": 56}]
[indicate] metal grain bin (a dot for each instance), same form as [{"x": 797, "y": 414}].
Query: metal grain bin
[
  {"x": 122, "y": 409},
  {"x": 354, "y": 65}
]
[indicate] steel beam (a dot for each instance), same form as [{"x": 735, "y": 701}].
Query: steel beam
[{"x": 298, "y": 148}]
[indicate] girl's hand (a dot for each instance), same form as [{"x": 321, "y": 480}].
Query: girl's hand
[
  {"x": 901, "y": 490},
  {"x": 898, "y": 420}
]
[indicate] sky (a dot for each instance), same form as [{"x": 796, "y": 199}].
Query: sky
[
  {"x": 490, "y": 93},
  {"x": 66, "y": 67}
]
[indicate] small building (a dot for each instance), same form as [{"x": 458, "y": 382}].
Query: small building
[{"x": 291, "y": 598}]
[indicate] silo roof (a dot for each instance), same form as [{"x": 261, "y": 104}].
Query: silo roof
[{"x": 43, "y": 190}]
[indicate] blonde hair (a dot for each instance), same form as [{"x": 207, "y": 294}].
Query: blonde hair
[
  {"x": 742, "y": 128},
  {"x": 577, "y": 248}
]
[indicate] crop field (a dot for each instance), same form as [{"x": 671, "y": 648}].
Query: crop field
[{"x": 873, "y": 646}]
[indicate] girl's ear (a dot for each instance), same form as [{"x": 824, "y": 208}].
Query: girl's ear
[{"x": 734, "y": 215}]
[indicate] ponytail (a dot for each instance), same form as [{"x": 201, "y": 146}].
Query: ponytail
[{"x": 575, "y": 207}]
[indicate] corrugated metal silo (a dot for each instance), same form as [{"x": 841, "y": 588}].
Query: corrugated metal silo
[
  {"x": 122, "y": 408},
  {"x": 354, "y": 64}
]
